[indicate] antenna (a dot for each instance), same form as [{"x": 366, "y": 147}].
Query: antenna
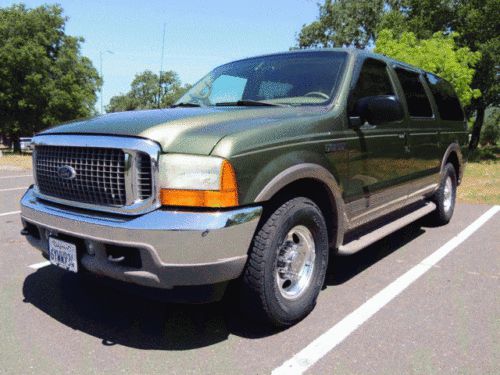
[{"x": 161, "y": 64}]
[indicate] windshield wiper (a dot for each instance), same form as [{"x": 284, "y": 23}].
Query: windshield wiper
[
  {"x": 245, "y": 103},
  {"x": 186, "y": 104}
]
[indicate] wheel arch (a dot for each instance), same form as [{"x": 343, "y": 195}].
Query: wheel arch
[
  {"x": 454, "y": 156},
  {"x": 316, "y": 183}
]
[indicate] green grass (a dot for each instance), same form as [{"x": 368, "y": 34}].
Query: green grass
[
  {"x": 15, "y": 161},
  {"x": 481, "y": 183}
]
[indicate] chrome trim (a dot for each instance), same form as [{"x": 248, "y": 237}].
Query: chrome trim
[
  {"x": 424, "y": 191},
  {"x": 130, "y": 146},
  {"x": 172, "y": 237},
  {"x": 415, "y": 133},
  {"x": 418, "y": 193},
  {"x": 456, "y": 132},
  {"x": 294, "y": 269}
]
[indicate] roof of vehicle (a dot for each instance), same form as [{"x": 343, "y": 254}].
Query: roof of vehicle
[{"x": 351, "y": 51}]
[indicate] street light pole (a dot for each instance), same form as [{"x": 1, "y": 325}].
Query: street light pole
[
  {"x": 100, "y": 73},
  {"x": 161, "y": 65}
]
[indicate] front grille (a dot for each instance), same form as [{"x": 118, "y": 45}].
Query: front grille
[
  {"x": 100, "y": 174},
  {"x": 144, "y": 182}
]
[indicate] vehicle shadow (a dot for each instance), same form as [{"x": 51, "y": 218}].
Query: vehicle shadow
[
  {"x": 342, "y": 268},
  {"x": 117, "y": 317}
]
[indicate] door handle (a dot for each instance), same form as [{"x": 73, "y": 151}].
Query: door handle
[{"x": 111, "y": 258}]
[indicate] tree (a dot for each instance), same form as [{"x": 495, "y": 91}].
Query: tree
[
  {"x": 44, "y": 79},
  {"x": 438, "y": 54},
  {"x": 477, "y": 23},
  {"x": 491, "y": 132},
  {"x": 343, "y": 23},
  {"x": 356, "y": 23},
  {"x": 148, "y": 91}
]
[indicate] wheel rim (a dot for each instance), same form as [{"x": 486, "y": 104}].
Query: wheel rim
[
  {"x": 448, "y": 194},
  {"x": 295, "y": 263}
]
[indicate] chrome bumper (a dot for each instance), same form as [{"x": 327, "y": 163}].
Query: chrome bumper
[{"x": 177, "y": 248}]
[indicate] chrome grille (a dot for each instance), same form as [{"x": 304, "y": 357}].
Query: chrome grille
[
  {"x": 100, "y": 174},
  {"x": 103, "y": 173},
  {"x": 144, "y": 182}
]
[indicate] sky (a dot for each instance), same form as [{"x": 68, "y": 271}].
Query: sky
[{"x": 200, "y": 35}]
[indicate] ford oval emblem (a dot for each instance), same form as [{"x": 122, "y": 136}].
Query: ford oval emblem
[{"x": 66, "y": 172}]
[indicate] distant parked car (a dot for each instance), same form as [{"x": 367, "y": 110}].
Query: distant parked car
[{"x": 24, "y": 144}]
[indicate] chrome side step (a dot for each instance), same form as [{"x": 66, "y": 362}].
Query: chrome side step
[{"x": 383, "y": 231}]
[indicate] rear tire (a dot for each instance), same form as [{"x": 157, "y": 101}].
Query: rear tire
[
  {"x": 287, "y": 264},
  {"x": 445, "y": 197}
]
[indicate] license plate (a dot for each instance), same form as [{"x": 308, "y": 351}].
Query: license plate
[{"x": 63, "y": 254}]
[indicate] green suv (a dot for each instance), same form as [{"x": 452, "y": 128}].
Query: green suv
[{"x": 263, "y": 170}]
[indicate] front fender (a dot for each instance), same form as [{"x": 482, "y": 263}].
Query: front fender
[{"x": 309, "y": 171}]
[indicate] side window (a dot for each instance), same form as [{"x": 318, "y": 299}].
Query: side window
[
  {"x": 416, "y": 98},
  {"x": 373, "y": 80},
  {"x": 446, "y": 99}
]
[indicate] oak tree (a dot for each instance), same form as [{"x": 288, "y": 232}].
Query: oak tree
[
  {"x": 44, "y": 79},
  {"x": 148, "y": 91}
]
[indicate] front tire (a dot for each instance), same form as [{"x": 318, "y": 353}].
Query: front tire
[{"x": 287, "y": 264}]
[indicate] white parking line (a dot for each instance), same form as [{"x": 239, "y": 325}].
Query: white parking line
[
  {"x": 18, "y": 176},
  {"x": 10, "y": 213},
  {"x": 37, "y": 266},
  {"x": 317, "y": 349},
  {"x": 16, "y": 188}
]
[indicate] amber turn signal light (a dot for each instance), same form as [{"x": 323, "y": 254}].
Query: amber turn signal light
[{"x": 226, "y": 196}]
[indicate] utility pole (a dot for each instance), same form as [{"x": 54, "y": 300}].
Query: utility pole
[
  {"x": 100, "y": 73},
  {"x": 161, "y": 65}
]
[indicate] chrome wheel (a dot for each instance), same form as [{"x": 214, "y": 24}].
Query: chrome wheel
[
  {"x": 295, "y": 263},
  {"x": 448, "y": 194}
]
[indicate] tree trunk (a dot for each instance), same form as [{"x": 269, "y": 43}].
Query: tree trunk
[
  {"x": 476, "y": 130},
  {"x": 15, "y": 143}
]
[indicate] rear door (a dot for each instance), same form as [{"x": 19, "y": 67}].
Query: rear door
[
  {"x": 451, "y": 118},
  {"x": 423, "y": 146}
]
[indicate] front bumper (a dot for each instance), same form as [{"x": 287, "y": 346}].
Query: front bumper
[{"x": 176, "y": 248}]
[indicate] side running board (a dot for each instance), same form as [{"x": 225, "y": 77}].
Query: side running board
[{"x": 366, "y": 240}]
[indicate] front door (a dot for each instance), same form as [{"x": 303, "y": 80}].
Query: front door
[{"x": 377, "y": 155}]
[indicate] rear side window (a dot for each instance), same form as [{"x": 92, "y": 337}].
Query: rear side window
[
  {"x": 373, "y": 80},
  {"x": 446, "y": 99},
  {"x": 416, "y": 98}
]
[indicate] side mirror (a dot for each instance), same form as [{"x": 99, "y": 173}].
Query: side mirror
[{"x": 380, "y": 109}]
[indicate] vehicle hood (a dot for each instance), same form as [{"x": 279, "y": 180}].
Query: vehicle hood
[{"x": 184, "y": 130}]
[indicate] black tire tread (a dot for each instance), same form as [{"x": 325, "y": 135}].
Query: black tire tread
[
  {"x": 253, "y": 296},
  {"x": 439, "y": 217}
]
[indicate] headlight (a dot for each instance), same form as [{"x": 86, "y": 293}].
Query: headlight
[{"x": 197, "y": 181}]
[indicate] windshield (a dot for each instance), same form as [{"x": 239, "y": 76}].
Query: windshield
[{"x": 295, "y": 79}]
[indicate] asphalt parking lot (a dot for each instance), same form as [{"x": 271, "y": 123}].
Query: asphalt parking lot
[{"x": 424, "y": 300}]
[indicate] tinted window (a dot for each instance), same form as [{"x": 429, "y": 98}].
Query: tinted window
[
  {"x": 373, "y": 80},
  {"x": 301, "y": 78},
  {"x": 446, "y": 99},
  {"x": 416, "y": 98}
]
